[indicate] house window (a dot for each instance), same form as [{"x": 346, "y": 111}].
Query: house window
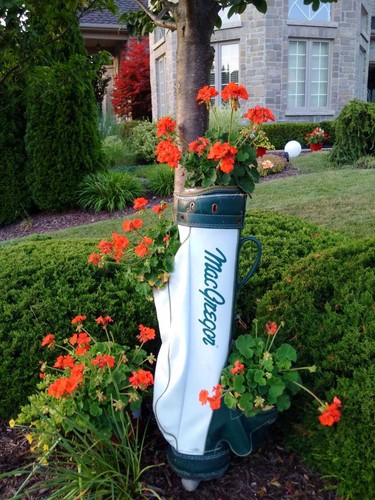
[
  {"x": 308, "y": 70},
  {"x": 300, "y": 12},
  {"x": 161, "y": 87},
  {"x": 159, "y": 34},
  {"x": 226, "y": 65}
]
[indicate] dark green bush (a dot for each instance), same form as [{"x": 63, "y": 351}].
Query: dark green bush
[
  {"x": 161, "y": 180},
  {"x": 284, "y": 240},
  {"x": 15, "y": 200},
  {"x": 43, "y": 285},
  {"x": 281, "y": 133},
  {"x": 62, "y": 137},
  {"x": 355, "y": 136},
  {"x": 327, "y": 303},
  {"x": 109, "y": 191}
]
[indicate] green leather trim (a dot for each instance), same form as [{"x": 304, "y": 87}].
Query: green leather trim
[
  {"x": 216, "y": 207},
  {"x": 200, "y": 467},
  {"x": 242, "y": 434}
]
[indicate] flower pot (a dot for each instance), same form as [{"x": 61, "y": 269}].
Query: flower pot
[
  {"x": 195, "y": 313},
  {"x": 261, "y": 151},
  {"x": 316, "y": 147}
]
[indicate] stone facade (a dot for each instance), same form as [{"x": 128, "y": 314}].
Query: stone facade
[{"x": 263, "y": 57}]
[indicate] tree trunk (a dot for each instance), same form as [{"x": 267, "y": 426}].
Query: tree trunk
[{"x": 195, "y": 21}]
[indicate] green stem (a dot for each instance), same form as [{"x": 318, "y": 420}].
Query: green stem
[{"x": 308, "y": 391}]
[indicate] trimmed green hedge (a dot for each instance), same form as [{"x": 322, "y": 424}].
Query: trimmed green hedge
[
  {"x": 43, "y": 285},
  {"x": 284, "y": 240},
  {"x": 327, "y": 303},
  {"x": 281, "y": 133}
]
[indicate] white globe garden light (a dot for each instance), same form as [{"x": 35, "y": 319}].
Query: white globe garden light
[{"x": 292, "y": 149}]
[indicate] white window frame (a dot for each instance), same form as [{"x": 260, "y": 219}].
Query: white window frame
[
  {"x": 161, "y": 86},
  {"x": 308, "y": 108},
  {"x": 218, "y": 46},
  {"x": 306, "y": 12}
]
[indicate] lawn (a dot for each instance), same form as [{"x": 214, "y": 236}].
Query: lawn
[{"x": 337, "y": 199}]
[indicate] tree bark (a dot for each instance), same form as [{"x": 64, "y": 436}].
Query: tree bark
[{"x": 195, "y": 20}]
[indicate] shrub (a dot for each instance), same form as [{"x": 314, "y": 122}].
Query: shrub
[
  {"x": 44, "y": 285},
  {"x": 270, "y": 164},
  {"x": 143, "y": 142},
  {"x": 114, "y": 149},
  {"x": 355, "y": 137},
  {"x": 15, "y": 200},
  {"x": 365, "y": 162},
  {"x": 161, "y": 180},
  {"x": 281, "y": 133},
  {"x": 62, "y": 136},
  {"x": 327, "y": 303},
  {"x": 109, "y": 191},
  {"x": 284, "y": 240}
]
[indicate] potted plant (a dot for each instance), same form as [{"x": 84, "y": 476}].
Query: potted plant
[
  {"x": 258, "y": 382},
  {"x": 316, "y": 138}
]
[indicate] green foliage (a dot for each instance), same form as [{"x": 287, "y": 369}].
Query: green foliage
[
  {"x": 161, "y": 180},
  {"x": 259, "y": 374},
  {"x": 367, "y": 161},
  {"x": 43, "y": 285},
  {"x": 142, "y": 142},
  {"x": 86, "y": 462},
  {"x": 281, "y": 133},
  {"x": 284, "y": 240},
  {"x": 114, "y": 150},
  {"x": 327, "y": 303},
  {"x": 270, "y": 164},
  {"x": 89, "y": 380},
  {"x": 15, "y": 200},
  {"x": 355, "y": 136},
  {"x": 62, "y": 137},
  {"x": 108, "y": 191}
]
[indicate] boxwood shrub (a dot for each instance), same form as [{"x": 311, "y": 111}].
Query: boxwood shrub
[
  {"x": 284, "y": 240},
  {"x": 327, "y": 302},
  {"x": 43, "y": 285}
]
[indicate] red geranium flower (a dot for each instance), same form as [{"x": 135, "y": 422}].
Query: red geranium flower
[
  {"x": 104, "y": 321},
  {"x": 94, "y": 259},
  {"x": 64, "y": 362},
  {"x": 237, "y": 367},
  {"x": 165, "y": 125},
  {"x": 48, "y": 340},
  {"x": 139, "y": 203},
  {"x": 205, "y": 94},
  {"x": 141, "y": 250},
  {"x": 158, "y": 209},
  {"x": 104, "y": 360},
  {"x": 331, "y": 413},
  {"x": 198, "y": 146},
  {"x": 271, "y": 327},
  {"x": 258, "y": 114},
  {"x": 225, "y": 153},
  {"x": 145, "y": 333},
  {"x": 78, "y": 320},
  {"x": 167, "y": 152},
  {"x": 233, "y": 92},
  {"x": 141, "y": 379},
  {"x": 105, "y": 247}
]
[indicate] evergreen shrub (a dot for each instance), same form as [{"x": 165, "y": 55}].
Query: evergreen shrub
[
  {"x": 355, "y": 135},
  {"x": 327, "y": 303},
  {"x": 15, "y": 200},
  {"x": 62, "y": 136},
  {"x": 284, "y": 240},
  {"x": 142, "y": 142},
  {"x": 43, "y": 285},
  {"x": 161, "y": 180},
  {"x": 114, "y": 150},
  {"x": 281, "y": 133}
]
